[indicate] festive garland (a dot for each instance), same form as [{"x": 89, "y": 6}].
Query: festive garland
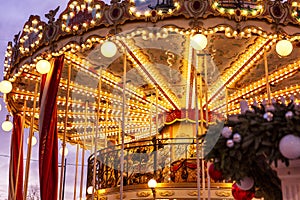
[{"x": 249, "y": 144}]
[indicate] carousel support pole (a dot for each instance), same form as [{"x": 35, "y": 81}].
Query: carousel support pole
[
  {"x": 97, "y": 133},
  {"x": 267, "y": 77},
  {"x": 21, "y": 147},
  {"x": 83, "y": 150},
  {"x": 156, "y": 132},
  {"x": 197, "y": 129},
  {"x": 123, "y": 125},
  {"x": 76, "y": 171},
  {"x": 29, "y": 146},
  {"x": 201, "y": 122},
  {"x": 64, "y": 136},
  {"x": 206, "y": 124}
]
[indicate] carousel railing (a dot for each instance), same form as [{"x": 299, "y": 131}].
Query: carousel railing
[{"x": 168, "y": 160}]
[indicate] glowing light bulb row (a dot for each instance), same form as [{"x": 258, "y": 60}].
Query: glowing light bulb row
[
  {"x": 243, "y": 63},
  {"x": 75, "y": 8},
  {"x": 257, "y": 10},
  {"x": 149, "y": 72},
  {"x": 7, "y": 60},
  {"x": 293, "y": 90},
  {"x": 139, "y": 14},
  {"x": 275, "y": 77},
  {"x": 113, "y": 81},
  {"x": 295, "y": 8}
]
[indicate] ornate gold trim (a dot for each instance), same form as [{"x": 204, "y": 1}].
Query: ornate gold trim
[
  {"x": 143, "y": 194},
  {"x": 222, "y": 193},
  {"x": 194, "y": 193},
  {"x": 166, "y": 193}
]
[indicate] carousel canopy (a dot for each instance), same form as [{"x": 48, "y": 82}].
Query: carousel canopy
[{"x": 155, "y": 42}]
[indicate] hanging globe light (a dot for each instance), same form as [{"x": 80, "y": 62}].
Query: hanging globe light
[
  {"x": 5, "y": 86},
  {"x": 284, "y": 48},
  {"x": 43, "y": 66},
  {"x": 199, "y": 41},
  {"x": 33, "y": 140},
  {"x": 7, "y": 125},
  {"x": 90, "y": 190},
  {"x": 66, "y": 151},
  {"x": 108, "y": 49},
  {"x": 152, "y": 183}
]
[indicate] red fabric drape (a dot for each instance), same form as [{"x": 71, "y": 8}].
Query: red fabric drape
[
  {"x": 48, "y": 147},
  {"x": 15, "y": 153}
]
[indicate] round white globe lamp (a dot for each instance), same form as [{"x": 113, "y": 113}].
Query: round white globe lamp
[
  {"x": 5, "y": 86},
  {"x": 33, "y": 140},
  {"x": 152, "y": 183},
  {"x": 108, "y": 49},
  {"x": 90, "y": 190},
  {"x": 199, "y": 41},
  {"x": 284, "y": 48},
  {"x": 66, "y": 151},
  {"x": 43, "y": 66}
]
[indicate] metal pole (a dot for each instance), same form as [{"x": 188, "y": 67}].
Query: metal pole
[
  {"x": 64, "y": 175},
  {"x": 29, "y": 146},
  {"x": 123, "y": 124},
  {"x": 96, "y": 133},
  {"x": 83, "y": 150},
  {"x": 206, "y": 116},
  {"x": 65, "y": 132},
  {"x": 197, "y": 129},
  {"x": 76, "y": 171}
]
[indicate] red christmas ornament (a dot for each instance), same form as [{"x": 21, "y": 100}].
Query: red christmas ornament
[
  {"x": 240, "y": 194},
  {"x": 216, "y": 175}
]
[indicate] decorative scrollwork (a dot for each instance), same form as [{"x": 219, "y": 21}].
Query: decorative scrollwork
[
  {"x": 223, "y": 193},
  {"x": 166, "y": 193},
  {"x": 143, "y": 194}
]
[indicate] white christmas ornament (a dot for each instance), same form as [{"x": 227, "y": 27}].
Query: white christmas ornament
[
  {"x": 226, "y": 132},
  {"x": 289, "y": 146},
  {"x": 237, "y": 137},
  {"x": 229, "y": 143},
  {"x": 246, "y": 183}
]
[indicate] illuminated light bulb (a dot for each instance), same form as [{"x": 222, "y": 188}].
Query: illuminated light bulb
[
  {"x": 7, "y": 125},
  {"x": 5, "y": 86},
  {"x": 108, "y": 49},
  {"x": 43, "y": 66},
  {"x": 152, "y": 183},
  {"x": 284, "y": 47},
  {"x": 33, "y": 140},
  {"x": 199, "y": 41},
  {"x": 66, "y": 151}
]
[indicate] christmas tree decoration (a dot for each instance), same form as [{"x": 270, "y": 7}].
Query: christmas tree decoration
[
  {"x": 268, "y": 116},
  {"x": 237, "y": 138},
  {"x": 229, "y": 143},
  {"x": 289, "y": 146},
  {"x": 289, "y": 115},
  {"x": 246, "y": 183},
  {"x": 240, "y": 194},
  {"x": 215, "y": 174},
  {"x": 259, "y": 149},
  {"x": 226, "y": 132}
]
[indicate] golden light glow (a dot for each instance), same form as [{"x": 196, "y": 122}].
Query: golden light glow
[
  {"x": 43, "y": 66},
  {"x": 198, "y": 41},
  {"x": 5, "y": 86},
  {"x": 284, "y": 47},
  {"x": 108, "y": 49}
]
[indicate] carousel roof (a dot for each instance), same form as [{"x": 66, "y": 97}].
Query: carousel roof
[{"x": 156, "y": 40}]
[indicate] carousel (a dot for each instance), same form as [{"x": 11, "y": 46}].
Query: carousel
[{"x": 175, "y": 99}]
